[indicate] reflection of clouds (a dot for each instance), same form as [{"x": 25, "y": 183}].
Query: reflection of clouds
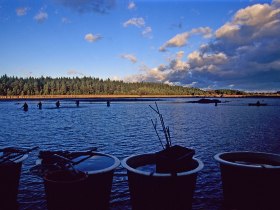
[
  {"x": 244, "y": 53},
  {"x": 85, "y": 6}
]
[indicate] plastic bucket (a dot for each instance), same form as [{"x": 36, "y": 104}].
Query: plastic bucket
[
  {"x": 100, "y": 169},
  {"x": 65, "y": 190},
  {"x": 9, "y": 182},
  {"x": 250, "y": 180},
  {"x": 159, "y": 191}
]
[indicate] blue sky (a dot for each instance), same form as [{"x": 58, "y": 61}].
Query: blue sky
[{"x": 233, "y": 44}]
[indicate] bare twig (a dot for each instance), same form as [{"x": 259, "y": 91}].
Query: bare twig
[
  {"x": 164, "y": 128},
  {"x": 155, "y": 127}
]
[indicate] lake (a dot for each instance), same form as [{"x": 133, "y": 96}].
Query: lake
[{"x": 125, "y": 128}]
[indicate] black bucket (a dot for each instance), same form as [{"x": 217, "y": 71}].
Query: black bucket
[
  {"x": 251, "y": 180},
  {"x": 100, "y": 169},
  {"x": 65, "y": 190},
  {"x": 96, "y": 189},
  {"x": 9, "y": 183},
  {"x": 150, "y": 190}
]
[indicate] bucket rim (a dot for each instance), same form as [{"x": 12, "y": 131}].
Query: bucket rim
[
  {"x": 222, "y": 161},
  {"x": 21, "y": 159},
  {"x": 104, "y": 170},
  {"x": 110, "y": 168},
  {"x": 155, "y": 174}
]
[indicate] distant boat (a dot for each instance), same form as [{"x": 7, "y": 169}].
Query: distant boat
[
  {"x": 257, "y": 104},
  {"x": 206, "y": 101}
]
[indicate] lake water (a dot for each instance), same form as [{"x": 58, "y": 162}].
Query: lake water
[{"x": 125, "y": 128}]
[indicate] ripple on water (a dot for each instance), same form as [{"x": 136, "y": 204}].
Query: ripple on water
[{"x": 125, "y": 129}]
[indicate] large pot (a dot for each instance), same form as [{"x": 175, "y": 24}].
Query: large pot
[
  {"x": 99, "y": 168},
  {"x": 159, "y": 191},
  {"x": 10, "y": 172},
  {"x": 251, "y": 180},
  {"x": 65, "y": 190}
]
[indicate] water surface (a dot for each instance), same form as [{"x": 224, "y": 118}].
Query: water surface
[{"x": 125, "y": 129}]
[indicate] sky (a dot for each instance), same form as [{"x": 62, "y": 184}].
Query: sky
[{"x": 208, "y": 44}]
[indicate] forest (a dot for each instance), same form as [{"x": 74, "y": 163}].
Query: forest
[{"x": 18, "y": 86}]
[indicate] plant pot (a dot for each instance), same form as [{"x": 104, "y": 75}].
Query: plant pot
[
  {"x": 65, "y": 190},
  {"x": 250, "y": 180},
  {"x": 9, "y": 182},
  {"x": 174, "y": 159},
  {"x": 100, "y": 169},
  {"x": 159, "y": 191}
]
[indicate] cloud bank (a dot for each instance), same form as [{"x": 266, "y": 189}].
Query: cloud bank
[{"x": 244, "y": 53}]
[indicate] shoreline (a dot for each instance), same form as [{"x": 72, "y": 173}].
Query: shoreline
[{"x": 49, "y": 97}]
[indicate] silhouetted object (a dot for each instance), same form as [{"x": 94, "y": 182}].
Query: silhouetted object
[
  {"x": 257, "y": 104},
  {"x": 108, "y": 103},
  {"x": 39, "y": 105},
  {"x": 157, "y": 191},
  {"x": 216, "y": 103},
  {"x": 25, "y": 107},
  {"x": 65, "y": 190},
  {"x": 10, "y": 171},
  {"x": 206, "y": 101},
  {"x": 174, "y": 159},
  {"x": 250, "y": 180},
  {"x": 78, "y": 193},
  {"x": 77, "y": 103},
  {"x": 57, "y": 104}
]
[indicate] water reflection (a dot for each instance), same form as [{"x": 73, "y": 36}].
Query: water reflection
[{"x": 125, "y": 129}]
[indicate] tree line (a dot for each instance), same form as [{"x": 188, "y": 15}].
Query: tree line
[{"x": 18, "y": 86}]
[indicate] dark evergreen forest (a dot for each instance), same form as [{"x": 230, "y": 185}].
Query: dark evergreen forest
[{"x": 18, "y": 86}]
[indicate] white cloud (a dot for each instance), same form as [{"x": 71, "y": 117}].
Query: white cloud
[
  {"x": 180, "y": 55},
  {"x": 92, "y": 38},
  {"x": 181, "y": 40},
  {"x": 138, "y": 22},
  {"x": 74, "y": 72},
  {"x": 131, "y": 5},
  {"x": 244, "y": 53},
  {"x": 177, "y": 41},
  {"x": 21, "y": 11},
  {"x": 147, "y": 32},
  {"x": 129, "y": 57},
  {"x": 41, "y": 17},
  {"x": 276, "y": 3},
  {"x": 65, "y": 20},
  {"x": 206, "y": 32}
]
